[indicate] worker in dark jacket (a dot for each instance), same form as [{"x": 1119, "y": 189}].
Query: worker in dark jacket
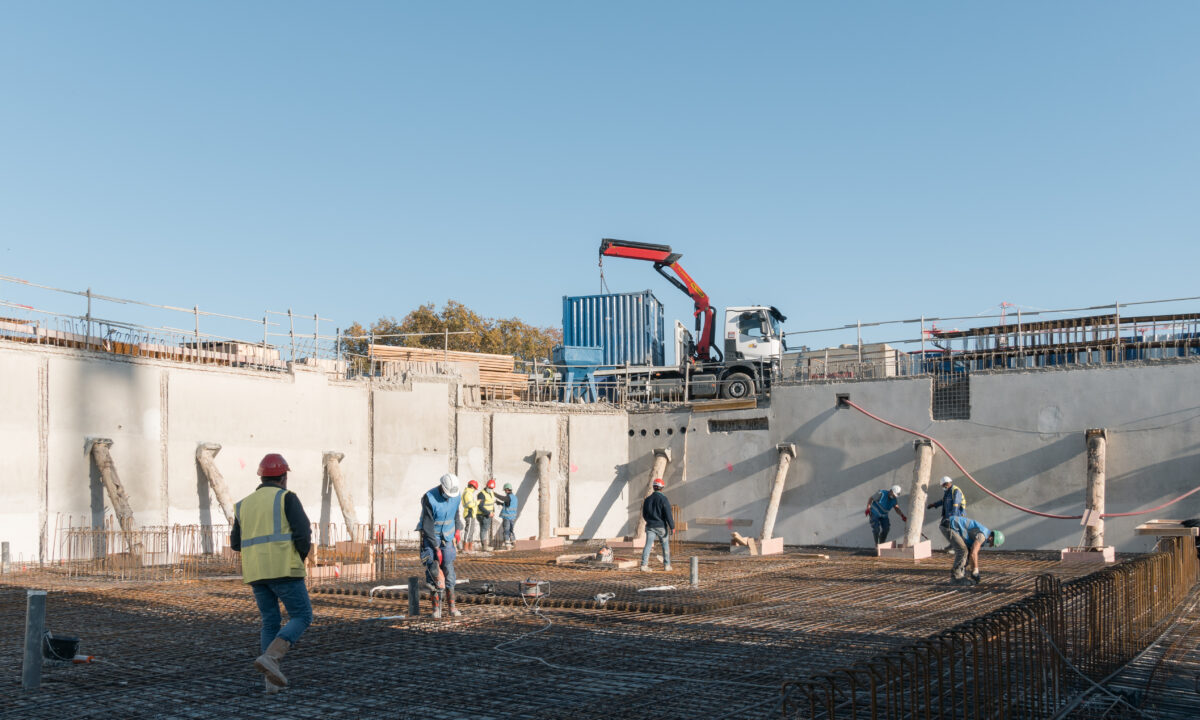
[
  {"x": 440, "y": 526},
  {"x": 656, "y": 511},
  {"x": 953, "y": 504},
  {"x": 271, "y": 531}
]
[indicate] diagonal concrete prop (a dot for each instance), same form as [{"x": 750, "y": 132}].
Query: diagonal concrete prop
[
  {"x": 98, "y": 448},
  {"x": 542, "y": 459},
  {"x": 206, "y": 454},
  {"x": 787, "y": 451},
  {"x": 662, "y": 458},
  {"x": 333, "y": 469},
  {"x": 920, "y": 491}
]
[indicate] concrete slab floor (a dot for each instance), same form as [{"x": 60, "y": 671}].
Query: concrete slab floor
[{"x": 185, "y": 650}]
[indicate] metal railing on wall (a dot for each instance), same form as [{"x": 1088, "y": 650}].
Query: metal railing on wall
[
  {"x": 1029, "y": 659},
  {"x": 1070, "y": 337},
  {"x": 256, "y": 343}
]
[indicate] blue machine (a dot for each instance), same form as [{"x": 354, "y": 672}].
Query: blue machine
[{"x": 577, "y": 364}]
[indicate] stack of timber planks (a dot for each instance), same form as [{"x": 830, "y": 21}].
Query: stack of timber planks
[{"x": 496, "y": 377}]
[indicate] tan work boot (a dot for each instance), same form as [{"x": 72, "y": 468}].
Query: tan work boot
[
  {"x": 270, "y": 688},
  {"x": 268, "y": 662}
]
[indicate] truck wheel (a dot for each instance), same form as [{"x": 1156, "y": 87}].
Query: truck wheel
[{"x": 737, "y": 386}]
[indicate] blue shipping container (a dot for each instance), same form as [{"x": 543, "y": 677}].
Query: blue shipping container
[{"x": 628, "y": 326}]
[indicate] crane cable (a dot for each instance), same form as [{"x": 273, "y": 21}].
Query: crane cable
[{"x": 1009, "y": 503}]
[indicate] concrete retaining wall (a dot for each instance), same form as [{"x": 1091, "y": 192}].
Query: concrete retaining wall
[
  {"x": 397, "y": 440},
  {"x": 1024, "y": 440}
]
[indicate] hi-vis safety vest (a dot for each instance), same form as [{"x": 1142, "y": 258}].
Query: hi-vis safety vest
[
  {"x": 510, "y": 510},
  {"x": 488, "y": 504},
  {"x": 469, "y": 503},
  {"x": 267, "y": 549}
]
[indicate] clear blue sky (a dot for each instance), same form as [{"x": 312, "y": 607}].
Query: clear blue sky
[{"x": 841, "y": 160}]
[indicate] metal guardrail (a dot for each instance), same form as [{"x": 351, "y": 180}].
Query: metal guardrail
[{"x": 1025, "y": 660}]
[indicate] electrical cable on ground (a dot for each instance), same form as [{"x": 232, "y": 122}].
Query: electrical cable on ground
[{"x": 1009, "y": 503}]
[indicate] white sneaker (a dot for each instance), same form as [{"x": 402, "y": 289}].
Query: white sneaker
[
  {"x": 645, "y": 568},
  {"x": 667, "y": 567}
]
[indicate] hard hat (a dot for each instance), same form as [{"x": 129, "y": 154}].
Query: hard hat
[
  {"x": 896, "y": 490},
  {"x": 450, "y": 485},
  {"x": 473, "y": 484},
  {"x": 491, "y": 483},
  {"x": 508, "y": 486},
  {"x": 272, "y": 465},
  {"x": 946, "y": 480},
  {"x": 997, "y": 538},
  {"x": 658, "y": 482}
]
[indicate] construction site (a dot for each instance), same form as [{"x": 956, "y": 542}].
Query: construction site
[{"x": 127, "y": 446}]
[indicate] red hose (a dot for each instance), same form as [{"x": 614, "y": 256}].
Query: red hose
[{"x": 958, "y": 465}]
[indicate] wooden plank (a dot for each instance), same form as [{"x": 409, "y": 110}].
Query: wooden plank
[
  {"x": 1166, "y": 528},
  {"x": 714, "y": 405},
  {"x": 568, "y": 531}
]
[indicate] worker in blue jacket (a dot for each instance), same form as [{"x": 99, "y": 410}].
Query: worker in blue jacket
[
  {"x": 878, "y": 507},
  {"x": 953, "y": 504},
  {"x": 968, "y": 536},
  {"x": 508, "y": 516},
  {"x": 441, "y": 527}
]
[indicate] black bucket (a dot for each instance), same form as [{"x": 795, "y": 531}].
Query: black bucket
[{"x": 59, "y": 648}]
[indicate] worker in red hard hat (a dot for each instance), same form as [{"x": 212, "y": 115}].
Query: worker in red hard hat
[
  {"x": 487, "y": 513},
  {"x": 470, "y": 507},
  {"x": 660, "y": 523},
  {"x": 272, "y": 532}
]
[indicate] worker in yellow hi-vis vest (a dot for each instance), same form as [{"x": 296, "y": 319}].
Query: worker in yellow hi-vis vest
[{"x": 271, "y": 531}]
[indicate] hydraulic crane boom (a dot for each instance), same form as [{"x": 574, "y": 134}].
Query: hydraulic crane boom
[{"x": 662, "y": 257}]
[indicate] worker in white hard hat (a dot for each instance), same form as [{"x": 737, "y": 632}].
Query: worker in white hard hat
[
  {"x": 441, "y": 527},
  {"x": 878, "y": 507},
  {"x": 953, "y": 504}
]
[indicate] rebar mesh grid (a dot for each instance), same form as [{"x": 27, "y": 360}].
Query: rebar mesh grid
[{"x": 184, "y": 650}]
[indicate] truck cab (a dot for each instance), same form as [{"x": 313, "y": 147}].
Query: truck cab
[{"x": 753, "y": 333}]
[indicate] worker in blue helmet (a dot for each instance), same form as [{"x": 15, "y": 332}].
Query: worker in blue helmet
[
  {"x": 441, "y": 527},
  {"x": 968, "y": 536}
]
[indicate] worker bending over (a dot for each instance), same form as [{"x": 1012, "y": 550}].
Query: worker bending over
[
  {"x": 878, "y": 507},
  {"x": 953, "y": 504},
  {"x": 470, "y": 506},
  {"x": 271, "y": 531},
  {"x": 441, "y": 528},
  {"x": 508, "y": 516},
  {"x": 968, "y": 536}
]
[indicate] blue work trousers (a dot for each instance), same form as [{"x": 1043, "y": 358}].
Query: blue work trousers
[
  {"x": 485, "y": 531},
  {"x": 880, "y": 527},
  {"x": 294, "y": 596},
  {"x": 506, "y": 529},
  {"x": 664, "y": 538},
  {"x": 438, "y": 575}
]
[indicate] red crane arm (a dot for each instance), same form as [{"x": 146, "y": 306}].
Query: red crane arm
[{"x": 663, "y": 257}]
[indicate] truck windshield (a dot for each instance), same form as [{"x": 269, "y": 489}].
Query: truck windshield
[{"x": 776, "y": 329}]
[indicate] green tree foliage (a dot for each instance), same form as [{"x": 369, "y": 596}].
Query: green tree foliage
[{"x": 505, "y": 336}]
